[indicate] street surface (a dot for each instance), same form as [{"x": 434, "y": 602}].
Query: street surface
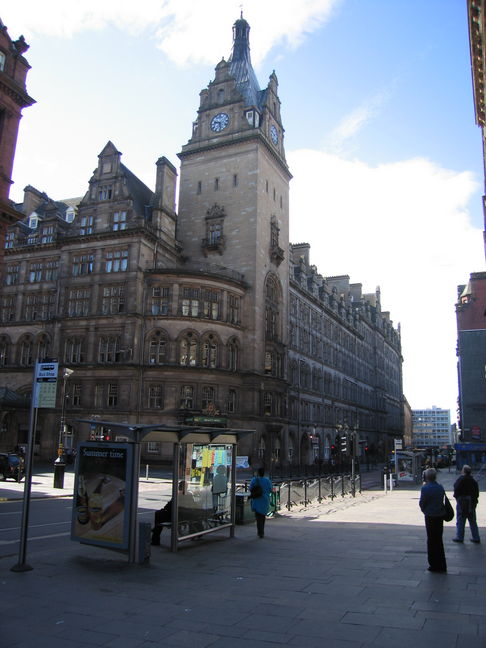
[{"x": 344, "y": 574}]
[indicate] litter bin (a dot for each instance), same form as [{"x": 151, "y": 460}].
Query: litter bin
[
  {"x": 243, "y": 512},
  {"x": 144, "y": 535},
  {"x": 59, "y": 468}
]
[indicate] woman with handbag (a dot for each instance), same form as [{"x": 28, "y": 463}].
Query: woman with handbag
[
  {"x": 432, "y": 506},
  {"x": 260, "y": 489}
]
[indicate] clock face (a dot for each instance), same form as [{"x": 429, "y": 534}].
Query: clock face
[
  {"x": 219, "y": 122},
  {"x": 274, "y": 134}
]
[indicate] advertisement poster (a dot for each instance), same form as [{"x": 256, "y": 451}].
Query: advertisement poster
[{"x": 102, "y": 494}]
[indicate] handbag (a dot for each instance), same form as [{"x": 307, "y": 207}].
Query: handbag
[
  {"x": 449, "y": 511},
  {"x": 256, "y": 490}
]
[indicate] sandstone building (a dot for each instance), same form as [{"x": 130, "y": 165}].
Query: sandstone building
[{"x": 208, "y": 315}]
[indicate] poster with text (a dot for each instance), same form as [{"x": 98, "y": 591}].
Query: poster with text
[{"x": 102, "y": 494}]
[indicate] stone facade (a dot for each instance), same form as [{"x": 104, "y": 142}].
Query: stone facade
[
  {"x": 13, "y": 98},
  {"x": 191, "y": 317}
]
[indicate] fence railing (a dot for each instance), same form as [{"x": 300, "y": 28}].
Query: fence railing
[{"x": 302, "y": 492}]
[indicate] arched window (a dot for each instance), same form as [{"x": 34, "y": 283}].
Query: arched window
[
  {"x": 157, "y": 348},
  {"x": 188, "y": 350},
  {"x": 209, "y": 352},
  {"x": 43, "y": 345},
  {"x": 26, "y": 352},
  {"x": 233, "y": 352}
]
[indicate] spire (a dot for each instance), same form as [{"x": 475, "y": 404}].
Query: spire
[{"x": 240, "y": 64}]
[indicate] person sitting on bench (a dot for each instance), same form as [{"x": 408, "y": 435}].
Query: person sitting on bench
[{"x": 162, "y": 515}]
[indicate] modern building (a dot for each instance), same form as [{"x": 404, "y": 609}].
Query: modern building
[
  {"x": 431, "y": 428},
  {"x": 203, "y": 316},
  {"x": 13, "y": 98}
]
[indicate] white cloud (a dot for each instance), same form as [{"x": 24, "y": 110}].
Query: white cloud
[
  {"x": 185, "y": 30},
  {"x": 354, "y": 121},
  {"x": 404, "y": 227}
]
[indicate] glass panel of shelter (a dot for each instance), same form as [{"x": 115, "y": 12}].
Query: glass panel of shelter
[{"x": 204, "y": 497}]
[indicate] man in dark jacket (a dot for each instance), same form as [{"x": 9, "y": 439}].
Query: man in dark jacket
[{"x": 466, "y": 492}]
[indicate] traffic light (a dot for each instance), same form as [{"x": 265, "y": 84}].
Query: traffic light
[
  {"x": 333, "y": 450},
  {"x": 344, "y": 444}
]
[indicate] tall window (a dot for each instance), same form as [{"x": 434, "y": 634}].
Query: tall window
[
  {"x": 207, "y": 397},
  {"x": 232, "y": 350},
  {"x": 43, "y": 270},
  {"x": 267, "y": 403},
  {"x": 156, "y": 397},
  {"x": 113, "y": 300},
  {"x": 210, "y": 305},
  {"x": 209, "y": 352},
  {"x": 116, "y": 261},
  {"x": 112, "y": 396},
  {"x": 233, "y": 309},
  {"x": 4, "y": 351},
  {"x": 85, "y": 225},
  {"x": 190, "y": 302},
  {"x": 215, "y": 232},
  {"x": 43, "y": 347},
  {"x": 119, "y": 221},
  {"x": 272, "y": 309},
  {"x": 26, "y": 352},
  {"x": 157, "y": 349},
  {"x": 7, "y": 312},
  {"x": 187, "y": 397},
  {"x": 47, "y": 234},
  {"x": 75, "y": 393},
  {"x": 231, "y": 402},
  {"x": 83, "y": 264},
  {"x": 73, "y": 351},
  {"x": 78, "y": 302},
  {"x": 109, "y": 349},
  {"x": 12, "y": 274},
  {"x": 9, "y": 239},
  {"x": 160, "y": 300},
  {"x": 188, "y": 351},
  {"x": 105, "y": 192},
  {"x": 38, "y": 306}
]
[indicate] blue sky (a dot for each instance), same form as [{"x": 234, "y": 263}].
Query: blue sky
[{"x": 380, "y": 134}]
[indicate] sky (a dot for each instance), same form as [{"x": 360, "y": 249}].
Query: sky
[{"x": 380, "y": 133}]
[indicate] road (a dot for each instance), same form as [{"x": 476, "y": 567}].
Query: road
[{"x": 50, "y": 521}]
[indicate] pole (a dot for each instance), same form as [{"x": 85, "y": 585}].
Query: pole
[{"x": 22, "y": 566}]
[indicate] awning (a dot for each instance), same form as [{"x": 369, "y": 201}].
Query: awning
[{"x": 161, "y": 433}]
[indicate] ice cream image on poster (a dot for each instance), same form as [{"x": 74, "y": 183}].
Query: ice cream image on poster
[{"x": 102, "y": 490}]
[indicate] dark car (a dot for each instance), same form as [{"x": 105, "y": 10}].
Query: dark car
[{"x": 11, "y": 466}]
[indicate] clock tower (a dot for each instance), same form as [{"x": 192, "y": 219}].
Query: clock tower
[{"x": 234, "y": 212}]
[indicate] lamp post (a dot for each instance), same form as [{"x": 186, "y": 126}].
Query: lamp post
[{"x": 59, "y": 463}]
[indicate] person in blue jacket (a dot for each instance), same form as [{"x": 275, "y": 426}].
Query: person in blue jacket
[
  {"x": 432, "y": 506},
  {"x": 261, "y": 505}
]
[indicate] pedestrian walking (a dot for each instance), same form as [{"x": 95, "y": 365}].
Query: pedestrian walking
[
  {"x": 466, "y": 492},
  {"x": 432, "y": 506},
  {"x": 260, "y": 489}
]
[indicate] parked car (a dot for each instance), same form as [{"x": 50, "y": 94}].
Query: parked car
[{"x": 12, "y": 466}]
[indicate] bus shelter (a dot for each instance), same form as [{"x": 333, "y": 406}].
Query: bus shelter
[{"x": 105, "y": 509}]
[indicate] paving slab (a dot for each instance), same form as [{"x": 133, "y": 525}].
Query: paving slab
[{"x": 344, "y": 574}]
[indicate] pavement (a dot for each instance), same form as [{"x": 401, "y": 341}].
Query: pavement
[{"x": 350, "y": 573}]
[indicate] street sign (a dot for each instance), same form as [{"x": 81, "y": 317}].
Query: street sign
[
  {"x": 398, "y": 444},
  {"x": 45, "y": 385}
]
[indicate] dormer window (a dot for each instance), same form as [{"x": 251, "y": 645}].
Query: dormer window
[
  {"x": 119, "y": 221},
  {"x": 69, "y": 215},
  {"x": 253, "y": 118},
  {"x": 2, "y": 61},
  {"x": 105, "y": 193},
  {"x": 33, "y": 221}
]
